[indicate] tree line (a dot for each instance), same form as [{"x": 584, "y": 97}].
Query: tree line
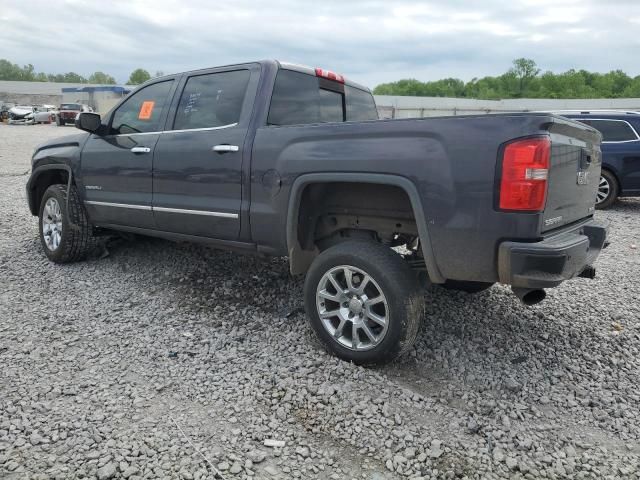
[
  {"x": 523, "y": 80},
  {"x": 27, "y": 73}
]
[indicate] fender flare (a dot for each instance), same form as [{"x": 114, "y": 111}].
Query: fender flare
[
  {"x": 299, "y": 259},
  {"x": 33, "y": 180}
]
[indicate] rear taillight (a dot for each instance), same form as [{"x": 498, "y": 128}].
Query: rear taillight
[
  {"x": 329, "y": 75},
  {"x": 525, "y": 167}
]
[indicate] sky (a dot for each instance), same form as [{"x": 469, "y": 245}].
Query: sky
[{"x": 369, "y": 41}]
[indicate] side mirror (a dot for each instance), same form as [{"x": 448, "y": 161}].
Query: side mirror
[{"x": 89, "y": 122}]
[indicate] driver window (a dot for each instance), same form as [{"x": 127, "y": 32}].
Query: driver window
[{"x": 142, "y": 111}]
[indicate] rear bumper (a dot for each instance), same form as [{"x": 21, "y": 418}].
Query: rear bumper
[{"x": 549, "y": 262}]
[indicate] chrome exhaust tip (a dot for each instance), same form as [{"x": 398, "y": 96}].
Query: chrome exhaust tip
[{"x": 529, "y": 296}]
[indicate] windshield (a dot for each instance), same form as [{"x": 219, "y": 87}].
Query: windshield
[{"x": 70, "y": 106}]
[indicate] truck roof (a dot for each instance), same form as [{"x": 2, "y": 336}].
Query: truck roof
[
  {"x": 312, "y": 71},
  {"x": 287, "y": 66}
]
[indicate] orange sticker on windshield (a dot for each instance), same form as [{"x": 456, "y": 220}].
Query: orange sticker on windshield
[{"x": 146, "y": 110}]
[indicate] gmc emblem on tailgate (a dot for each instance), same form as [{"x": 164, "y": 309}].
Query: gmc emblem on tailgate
[{"x": 583, "y": 178}]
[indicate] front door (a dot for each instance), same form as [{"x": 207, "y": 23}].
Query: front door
[
  {"x": 117, "y": 167},
  {"x": 197, "y": 165}
]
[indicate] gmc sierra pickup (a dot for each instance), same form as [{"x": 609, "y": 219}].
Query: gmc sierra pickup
[{"x": 287, "y": 160}]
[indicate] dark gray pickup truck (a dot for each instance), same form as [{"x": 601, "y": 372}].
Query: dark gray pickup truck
[{"x": 286, "y": 160}]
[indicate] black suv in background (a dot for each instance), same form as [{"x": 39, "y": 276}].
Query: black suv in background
[{"x": 620, "y": 175}]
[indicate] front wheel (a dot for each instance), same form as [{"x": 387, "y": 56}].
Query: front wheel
[
  {"x": 608, "y": 190},
  {"x": 64, "y": 239},
  {"x": 363, "y": 302}
]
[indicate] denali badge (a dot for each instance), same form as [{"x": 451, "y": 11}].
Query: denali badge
[
  {"x": 93, "y": 187},
  {"x": 583, "y": 178}
]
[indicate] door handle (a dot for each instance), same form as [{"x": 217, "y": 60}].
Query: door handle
[
  {"x": 225, "y": 148},
  {"x": 140, "y": 150}
]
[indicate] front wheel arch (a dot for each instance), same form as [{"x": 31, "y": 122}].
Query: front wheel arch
[{"x": 42, "y": 178}]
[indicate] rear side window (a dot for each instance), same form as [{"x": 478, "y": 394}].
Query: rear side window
[
  {"x": 330, "y": 106},
  {"x": 212, "y": 100},
  {"x": 360, "y": 105},
  {"x": 299, "y": 98},
  {"x": 142, "y": 112},
  {"x": 613, "y": 130}
]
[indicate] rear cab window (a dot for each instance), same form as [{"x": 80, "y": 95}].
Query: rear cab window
[
  {"x": 612, "y": 130},
  {"x": 212, "y": 100},
  {"x": 299, "y": 98}
]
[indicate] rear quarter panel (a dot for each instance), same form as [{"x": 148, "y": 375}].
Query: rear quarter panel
[{"x": 450, "y": 160}]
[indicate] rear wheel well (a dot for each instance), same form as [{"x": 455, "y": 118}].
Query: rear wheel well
[
  {"x": 332, "y": 212},
  {"x": 44, "y": 181}
]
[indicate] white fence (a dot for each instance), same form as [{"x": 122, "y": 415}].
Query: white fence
[{"x": 412, "y": 107}]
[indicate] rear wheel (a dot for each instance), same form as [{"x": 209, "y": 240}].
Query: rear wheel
[
  {"x": 65, "y": 237},
  {"x": 608, "y": 190},
  {"x": 363, "y": 302}
]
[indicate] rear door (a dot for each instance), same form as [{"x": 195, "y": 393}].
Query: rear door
[
  {"x": 198, "y": 161},
  {"x": 117, "y": 167}
]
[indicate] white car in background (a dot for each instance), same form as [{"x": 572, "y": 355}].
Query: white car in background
[
  {"x": 32, "y": 114},
  {"x": 22, "y": 115},
  {"x": 45, "y": 114}
]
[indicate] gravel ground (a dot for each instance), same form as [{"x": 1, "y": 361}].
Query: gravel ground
[{"x": 167, "y": 360}]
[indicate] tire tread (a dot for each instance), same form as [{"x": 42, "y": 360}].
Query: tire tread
[{"x": 78, "y": 240}]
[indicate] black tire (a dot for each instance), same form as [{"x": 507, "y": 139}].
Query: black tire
[
  {"x": 59, "y": 121},
  {"x": 468, "y": 287},
  {"x": 614, "y": 189},
  {"x": 404, "y": 307},
  {"x": 77, "y": 240}
]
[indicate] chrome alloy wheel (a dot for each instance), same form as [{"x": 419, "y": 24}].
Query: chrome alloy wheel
[
  {"x": 52, "y": 224},
  {"x": 352, "y": 308},
  {"x": 604, "y": 189}
]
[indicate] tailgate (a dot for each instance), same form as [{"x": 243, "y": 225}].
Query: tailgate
[{"x": 576, "y": 160}]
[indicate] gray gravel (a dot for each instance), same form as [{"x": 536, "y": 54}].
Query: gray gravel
[{"x": 166, "y": 360}]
